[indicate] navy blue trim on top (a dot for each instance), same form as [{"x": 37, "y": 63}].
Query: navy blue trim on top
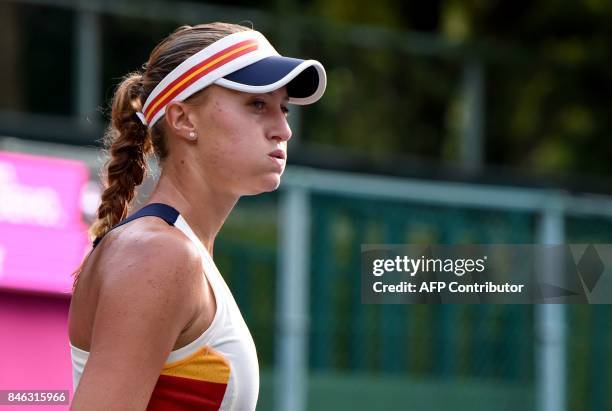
[{"x": 164, "y": 211}]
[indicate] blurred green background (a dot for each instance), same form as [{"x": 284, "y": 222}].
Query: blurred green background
[{"x": 511, "y": 94}]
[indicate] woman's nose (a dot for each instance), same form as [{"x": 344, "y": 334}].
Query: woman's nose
[{"x": 281, "y": 130}]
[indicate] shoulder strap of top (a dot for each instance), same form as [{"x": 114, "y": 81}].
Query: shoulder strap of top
[{"x": 165, "y": 212}]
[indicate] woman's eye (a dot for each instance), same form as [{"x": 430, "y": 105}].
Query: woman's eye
[{"x": 259, "y": 105}]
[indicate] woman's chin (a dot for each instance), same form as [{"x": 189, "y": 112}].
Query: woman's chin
[
  {"x": 272, "y": 181},
  {"x": 267, "y": 183}
]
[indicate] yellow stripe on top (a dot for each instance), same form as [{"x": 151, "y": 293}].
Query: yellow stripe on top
[
  {"x": 198, "y": 71},
  {"x": 204, "y": 365}
]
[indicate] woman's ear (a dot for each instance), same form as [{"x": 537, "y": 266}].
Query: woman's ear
[{"x": 178, "y": 120}]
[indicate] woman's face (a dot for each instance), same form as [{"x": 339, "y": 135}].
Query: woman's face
[{"x": 242, "y": 138}]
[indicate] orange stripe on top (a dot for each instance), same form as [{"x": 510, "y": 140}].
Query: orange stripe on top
[
  {"x": 203, "y": 365},
  {"x": 198, "y": 71}
]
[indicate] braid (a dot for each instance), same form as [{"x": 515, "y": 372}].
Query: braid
[{"x": 128, "y": 144}]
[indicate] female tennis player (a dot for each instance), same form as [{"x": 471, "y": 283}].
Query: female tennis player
[{"x": 152, "y": 323}]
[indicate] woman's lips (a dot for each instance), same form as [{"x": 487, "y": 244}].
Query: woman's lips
[
  {"x": 278, "y": 154},
  {"x": 278, "y": 157}
]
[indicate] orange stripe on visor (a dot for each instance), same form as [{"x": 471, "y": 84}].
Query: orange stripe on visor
[{"x": 197, "y": 72}]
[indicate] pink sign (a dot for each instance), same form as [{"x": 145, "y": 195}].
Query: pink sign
[
  {"x": 34, "y": 351},
  {"x": 42, "y": 235}
]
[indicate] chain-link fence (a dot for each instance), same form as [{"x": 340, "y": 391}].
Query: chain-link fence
[{"x": 439, "y": 356}]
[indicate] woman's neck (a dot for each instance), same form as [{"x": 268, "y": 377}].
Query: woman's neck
[{"x": 204, "y": 208}]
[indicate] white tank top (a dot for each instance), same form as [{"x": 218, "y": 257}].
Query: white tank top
[{"x": 219, "y": 370}]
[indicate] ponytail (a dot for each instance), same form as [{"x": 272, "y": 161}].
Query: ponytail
[{"x": 128, "y": 144}]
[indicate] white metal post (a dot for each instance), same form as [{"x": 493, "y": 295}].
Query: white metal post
[
  {"x": 293, "y": 300},
  {"x": 550, "y": 323}
]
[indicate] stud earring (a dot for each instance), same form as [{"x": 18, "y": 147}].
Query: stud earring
[{"x": 192, "y": 135}]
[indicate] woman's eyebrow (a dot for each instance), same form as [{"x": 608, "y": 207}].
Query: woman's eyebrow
[{"x": 286, "y": 97}]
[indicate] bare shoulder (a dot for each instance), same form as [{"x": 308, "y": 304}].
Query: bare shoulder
[
  {"x": 149, "y": 269},
  {"x": 127, "y": 262},
  {"x": 152, "y": 268},
  {"x": 145, "y": 248}
]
